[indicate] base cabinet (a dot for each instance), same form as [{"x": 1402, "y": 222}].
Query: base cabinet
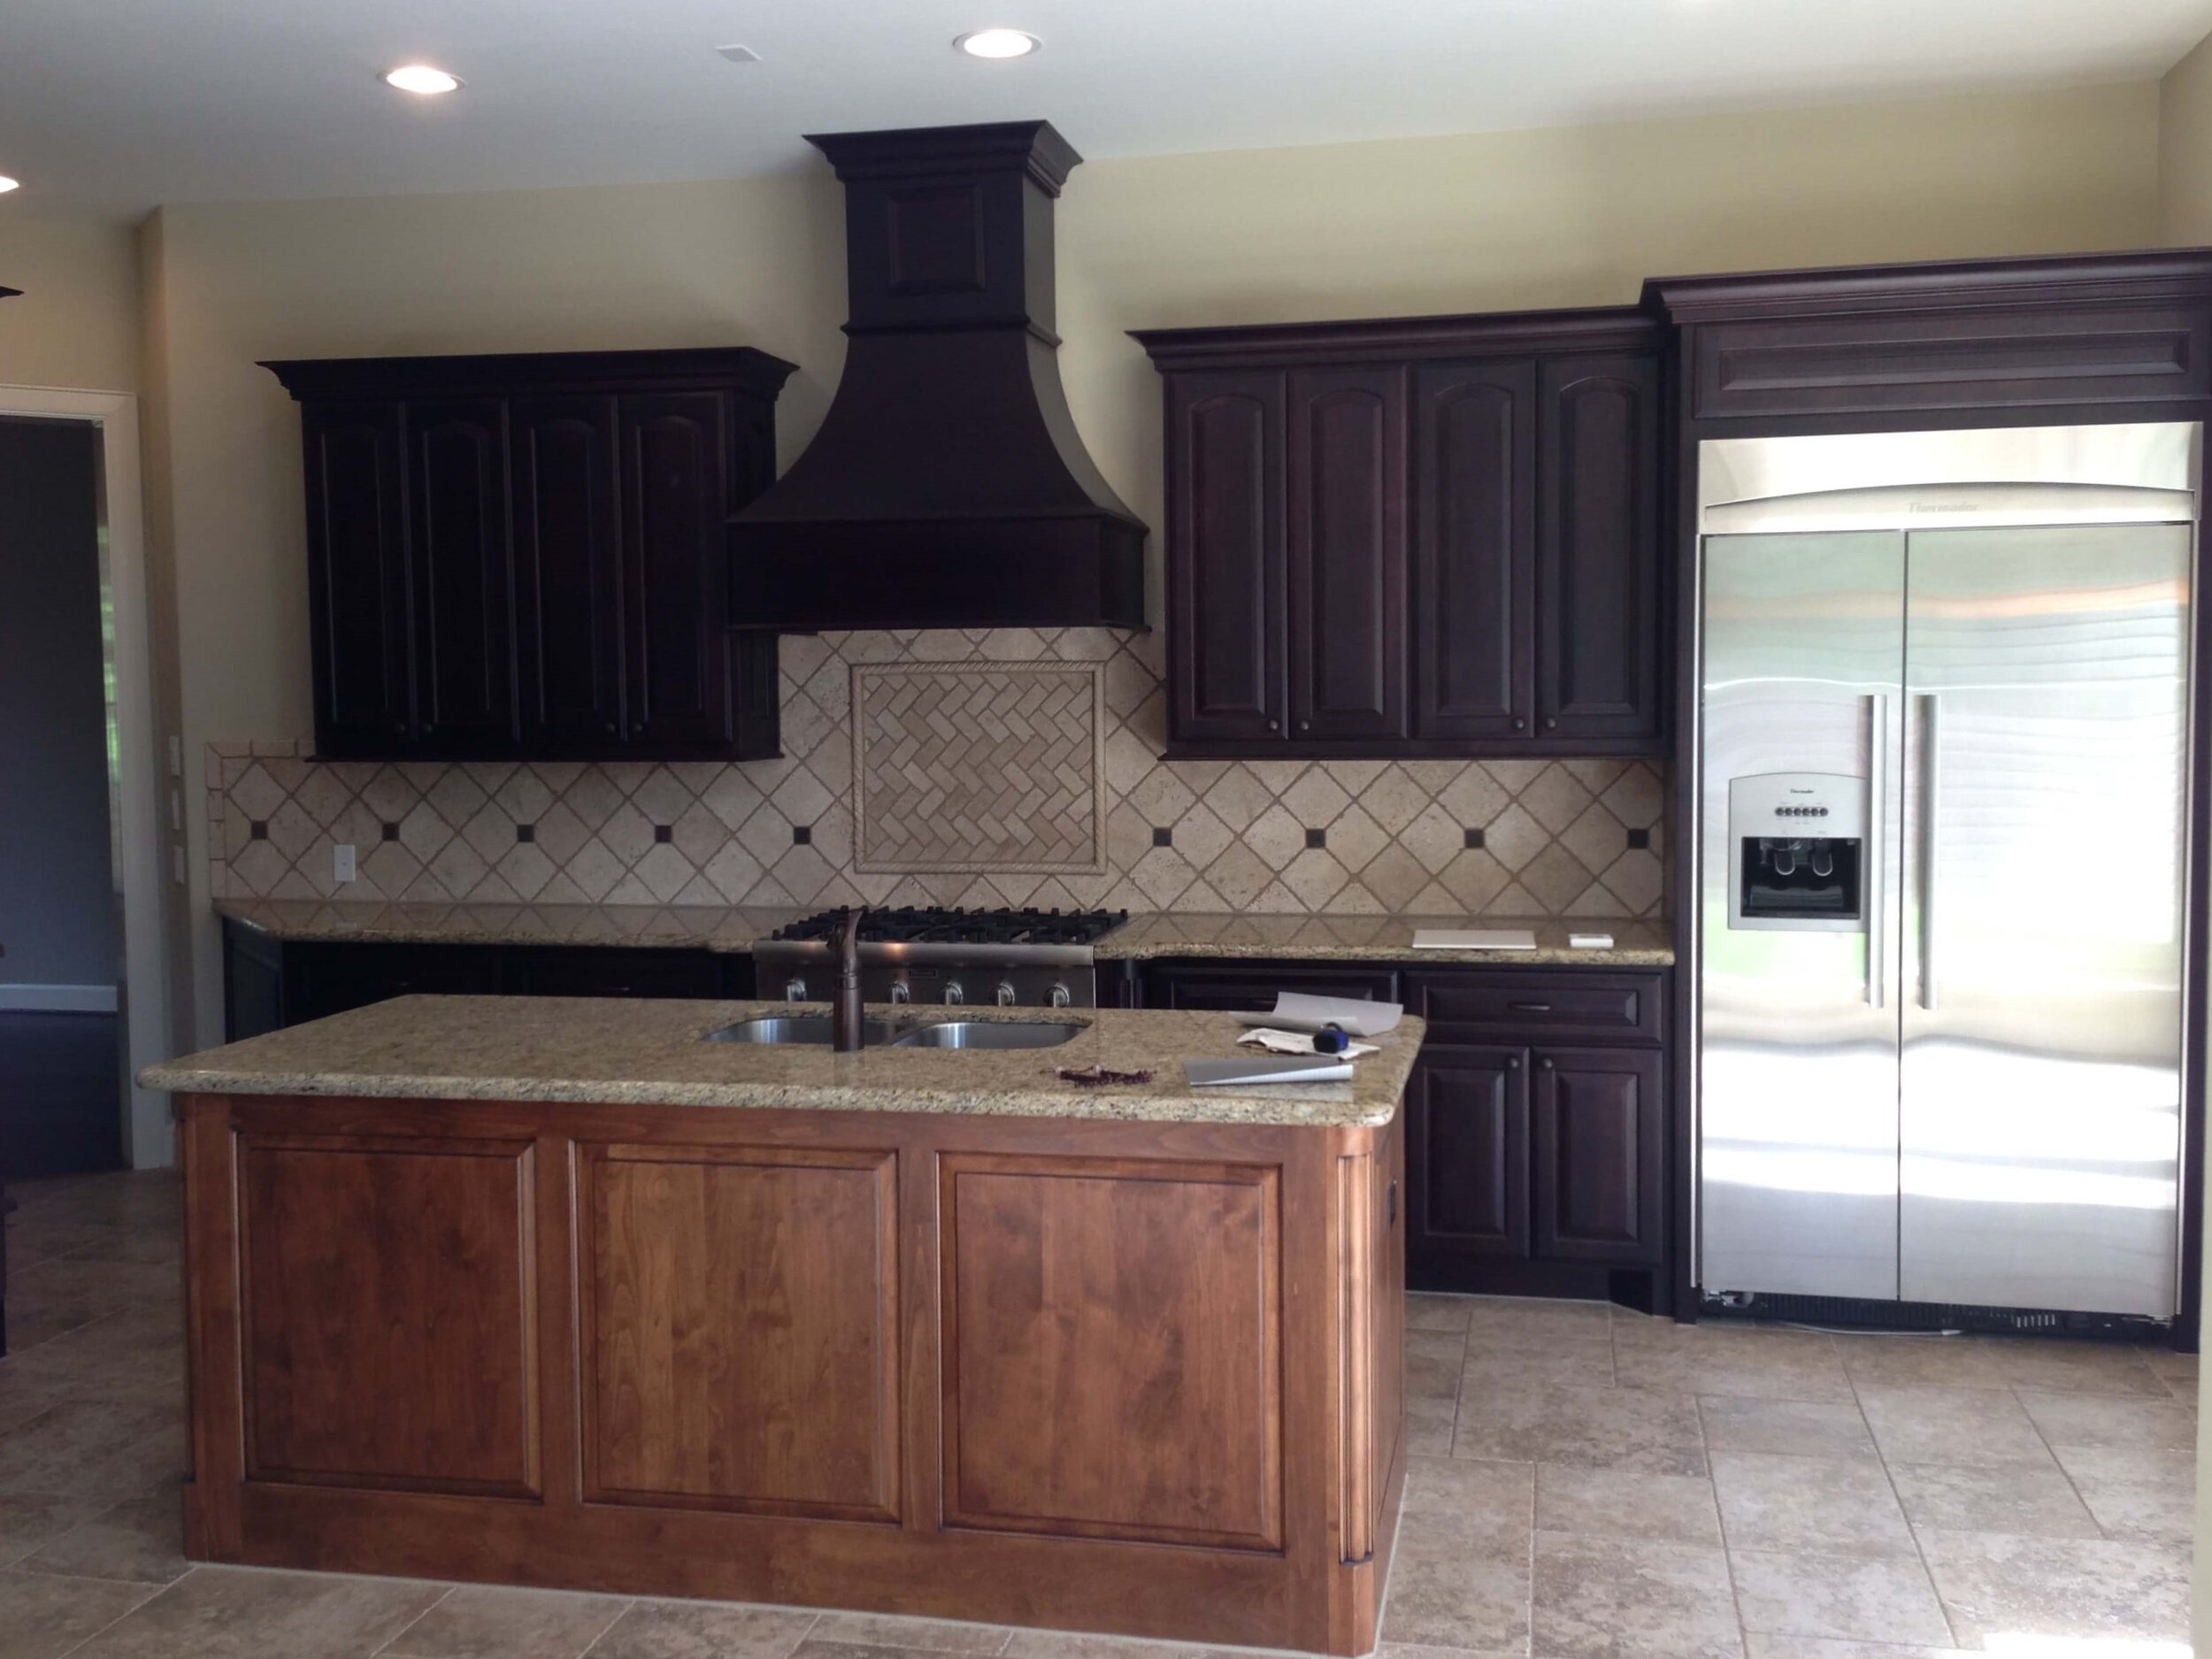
[
  {"x": 271, "y": 983},
  {"x": 1133, "y": 1377},
  {"x": 1537, "y": 1126}
]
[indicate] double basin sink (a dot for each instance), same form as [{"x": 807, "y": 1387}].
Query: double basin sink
[{"x": 883, "y": 1033}]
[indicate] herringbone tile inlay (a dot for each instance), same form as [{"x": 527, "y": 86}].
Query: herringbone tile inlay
[{"x": 964, "y": 768}]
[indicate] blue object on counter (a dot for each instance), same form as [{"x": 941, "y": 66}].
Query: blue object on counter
[{"x": 1331, "y": 1040}]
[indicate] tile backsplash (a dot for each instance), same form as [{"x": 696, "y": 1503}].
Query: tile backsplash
[{"x": 1012, "y": 766}]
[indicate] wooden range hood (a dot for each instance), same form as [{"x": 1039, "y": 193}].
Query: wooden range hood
[{"x": 948, "y": 487}]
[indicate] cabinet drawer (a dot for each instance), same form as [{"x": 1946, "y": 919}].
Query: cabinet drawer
[
  {"x": 1237, "y": 987},
  {"x": 615, "y": 970},
  {"x": 1529, "y": 1006}
]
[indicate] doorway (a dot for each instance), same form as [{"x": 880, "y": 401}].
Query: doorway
[
  {"x": 61, "y": 1056},
  {"x": 93, "y": 971}
]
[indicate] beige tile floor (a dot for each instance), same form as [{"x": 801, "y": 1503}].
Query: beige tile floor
[{"x": 1585, "y": 1484}]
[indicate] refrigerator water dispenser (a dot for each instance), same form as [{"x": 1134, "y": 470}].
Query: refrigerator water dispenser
[{"x": 1799, "y": 840}]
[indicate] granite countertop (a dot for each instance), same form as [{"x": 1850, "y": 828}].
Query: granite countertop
[
  {"x": 625, "y": 1052},
  {"x": 1376, "y": 939},
  {"x": 1146, "y": 933}
]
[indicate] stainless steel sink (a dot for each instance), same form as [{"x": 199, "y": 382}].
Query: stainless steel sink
[
  {"x": 796, "y": 1028},
  {"x": 991, "y": 1034}
]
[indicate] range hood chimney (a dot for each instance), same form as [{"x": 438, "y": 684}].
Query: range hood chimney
[{"x": 946, "y": 487}]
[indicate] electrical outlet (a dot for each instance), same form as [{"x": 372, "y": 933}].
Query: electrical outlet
[{"x": 341, "y": 862}]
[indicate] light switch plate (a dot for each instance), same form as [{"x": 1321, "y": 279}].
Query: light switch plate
[{"x": 341, "y": 862}]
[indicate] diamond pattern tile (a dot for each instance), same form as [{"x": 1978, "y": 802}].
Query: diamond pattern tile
[{"x": 1018, "y": 767}]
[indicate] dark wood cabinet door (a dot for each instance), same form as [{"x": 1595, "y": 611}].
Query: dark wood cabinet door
[
  {"x": 1345, "y": 479},
  {"x": 463, "y": 608},
  {"x": 1597, "y": 631},
  {"x": 1466, "y": 1160},
  {"x": 568, "y": 569},
  {"x": 1224, "y": 527},
  {"x": 358, "y": 576},
  {"x": 675, "y": 452},
  {"x": 1597, "y": 1155},
  {"x": 1474, "y": 549}
]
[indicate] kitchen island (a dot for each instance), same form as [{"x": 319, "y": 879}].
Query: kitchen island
[{"x": 554, "y": 1291}]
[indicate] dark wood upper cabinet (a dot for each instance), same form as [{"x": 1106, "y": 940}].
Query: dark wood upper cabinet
[
  {"x": 1597, "y": 559},
  {"x": 1426, "y": 536},
  {"x": 568, "y": 567},
  {"x": 1225, "y": 483},
  {"x": 356, "y": 574},
  {"x": 1474, "y": 472},
  {"x": 1346, "y": 596},
  {"x": 524, "y": 556},
  {"x": 464, "y": 618}
]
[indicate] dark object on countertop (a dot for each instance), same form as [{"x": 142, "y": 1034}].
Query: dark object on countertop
[
  {"x": 847, "y": 1021},
  {"x": 1096, "y": 1076},
  {"x": 1331, "y": 1040}
]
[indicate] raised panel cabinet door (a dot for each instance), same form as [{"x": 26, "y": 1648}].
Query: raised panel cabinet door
[
  {"x": 740, "y": 1329},
  {"x": 1474, "y": 549},
  {"x": 568, "y": 569},
  {"x": 1599, "y": 1144},
  {"x": 465, "y": 699},
  {"x": 1466, "y": 1159},
  {"x": 674, "y": 482},
  {"x": 1345, "y": 528},
  {"x": 358, "y": 577},
  {"x": 1597, "y": 600},
  {"x": 1225, "y": 561},
  {"x": 1112, "y": 1349},
  {"x": 389, "y": 1313}
]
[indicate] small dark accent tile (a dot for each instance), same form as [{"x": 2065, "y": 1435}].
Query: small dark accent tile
[
  {"x": 258, "y": 828},
  {"x": 1474, "y": 838},
  {"x": 526, "y": 832},
  {"x": 801, "y": 834},
  {"x": 1163, "y": 835},
  {"x": 1639, "y": 839},
  {"x": 1317, "y": 838},
  {"x": 391, "y": 832},
  {"x": 663, "y": 832}
]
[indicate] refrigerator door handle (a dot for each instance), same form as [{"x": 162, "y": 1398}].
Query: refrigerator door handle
[
  {"x": 1877, "y": 815},
  {"x": 1930, "y": 781}
]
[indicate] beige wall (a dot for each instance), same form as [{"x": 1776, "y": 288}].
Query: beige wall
[
  {"x": 1557, "y": 217},
  {"x": 75, "y": 324}
]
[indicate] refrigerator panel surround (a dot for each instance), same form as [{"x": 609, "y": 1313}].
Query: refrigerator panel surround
[
  {"x": 2044, "y": 791},
  {"x": 1797, "y": 1059}
]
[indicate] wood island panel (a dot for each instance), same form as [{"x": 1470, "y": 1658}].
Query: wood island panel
[
  {"x": 1084, "y": 1374},
  {"x": 1113, "y": 1348},
  {"x": 739, "y": 1324},
  {"x": 387, "y": 1307}
]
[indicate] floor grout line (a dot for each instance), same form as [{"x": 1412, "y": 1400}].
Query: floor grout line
[
  {"x": 137, "y": 1608},
  {"x": 1919, "y": 1548},
  {"x": 437, "y": 1602}
]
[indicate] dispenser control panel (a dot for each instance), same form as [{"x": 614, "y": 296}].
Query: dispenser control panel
[{"x": 1799, "y": 845}]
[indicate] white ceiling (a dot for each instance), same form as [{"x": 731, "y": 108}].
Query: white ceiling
[{"x": 109, "y": 107}]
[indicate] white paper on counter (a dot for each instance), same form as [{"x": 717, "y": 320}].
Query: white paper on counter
[
  {"x": 1474, "y": 939},
  {"x": 1267, "y": 1068},
  {"x": 1296, "y": 1010}
]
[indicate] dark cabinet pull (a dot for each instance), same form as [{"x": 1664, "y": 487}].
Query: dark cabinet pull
[
  {"x": 1530, "y": 1008},
  {"x": 1513, "y": 1063},
  {"x": 1519, "y": 724},
  {"x": 1305, "y": 726},
  {"x": 1274, "y": 725},
  {"x": 1551, "y": 723},
  {"x": 1547, "y": 1064}
]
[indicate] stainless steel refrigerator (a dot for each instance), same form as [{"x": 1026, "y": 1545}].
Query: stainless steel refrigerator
[{"x": 1941, "y": 802}]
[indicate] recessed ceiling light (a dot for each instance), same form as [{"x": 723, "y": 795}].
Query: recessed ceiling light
[
  {"x": 739, "y": 54},
  {"x": 8, "y": 184},
  {"x": 998, "y": 43},
  {"x": 422, "y": 78}
]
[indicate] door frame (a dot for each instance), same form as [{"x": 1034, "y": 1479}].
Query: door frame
[{"x": 142, "y": 994}]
